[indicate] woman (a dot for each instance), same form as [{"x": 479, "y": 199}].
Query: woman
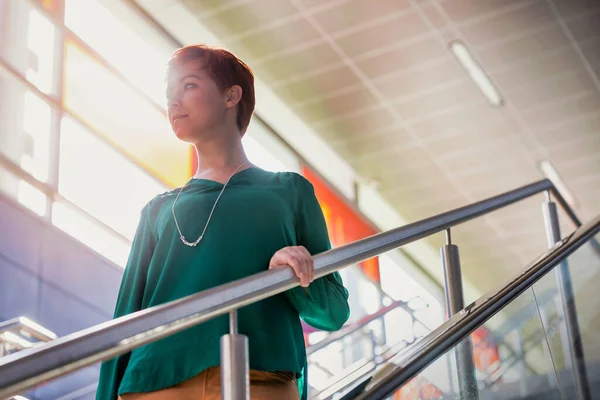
[{"x": 231, "y": 220}]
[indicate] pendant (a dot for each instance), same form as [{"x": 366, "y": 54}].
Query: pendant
[{"x": 190, "y": 244}]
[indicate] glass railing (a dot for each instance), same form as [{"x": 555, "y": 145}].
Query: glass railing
[
  {"x": 358, "y": 348},
  {"x": 527, "y": 352},
  {"x": 502, "y": 350},
  {"x": 583, "y": 269}
]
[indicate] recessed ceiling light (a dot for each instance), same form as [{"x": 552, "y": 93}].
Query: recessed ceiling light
[
  {"x": 474, "y": 70},
  {"x": 548, "y": 170}
]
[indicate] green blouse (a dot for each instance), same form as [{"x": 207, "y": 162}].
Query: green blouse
[{"x": 258, "y": 214}]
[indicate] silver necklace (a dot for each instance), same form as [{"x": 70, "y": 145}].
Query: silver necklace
[{"x": 183, "y": 239}]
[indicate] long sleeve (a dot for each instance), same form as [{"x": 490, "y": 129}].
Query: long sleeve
[
  {"x": 324, "y": 304},
  {"x": 129, "y": 300}
]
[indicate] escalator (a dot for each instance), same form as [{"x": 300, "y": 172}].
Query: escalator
[
  {"x": 543, "y": 368},
  {"x": 506, "y": 350},
  {"x": 540, "y": 349}
]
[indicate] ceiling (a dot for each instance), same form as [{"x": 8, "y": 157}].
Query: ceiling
[{"x": 376, "y": 80}]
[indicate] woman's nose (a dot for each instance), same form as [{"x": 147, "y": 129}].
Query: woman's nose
[{"x": 173, "y": 101}]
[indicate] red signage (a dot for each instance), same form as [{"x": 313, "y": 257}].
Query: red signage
[
  {"x": 418, "y": 388},
  {"x": 344, "y": 224},
  {"x": 485, "y": 351}
]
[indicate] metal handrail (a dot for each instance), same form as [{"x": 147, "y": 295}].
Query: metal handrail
[
  {"x": 29, "y": 368},
  {"x": 458, "y": 327},
  {"x": 27, "y": 325}
]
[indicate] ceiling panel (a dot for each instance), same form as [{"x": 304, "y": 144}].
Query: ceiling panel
[
  {"x": 522, "y": 46},
  {"x": 360, "y": 12},
  {"x": 585, "y": 25},
  {"x": 575, "y": 127},
  {"x": 421, "y": 105},
  {"x": 424, "y": 78},
  {"x": 270, "y": 41},
  {"x": 244, "y": 16},
  {"x": 355, "y": 124},
  {"x": 284, "y": 68},
  {"x": 538, "y": 68},
  {"x": 469, "y": 11},
  {"x": 547, "y": 114},
  {"x": 342, "y": 103},
  {"x": 482, "y": 31},
  {"x": 388, "y": 31},
  {"x": 544, "y": 92},
  {"x": 407, "y": 55},
  {"x": 325, "y": 82}
]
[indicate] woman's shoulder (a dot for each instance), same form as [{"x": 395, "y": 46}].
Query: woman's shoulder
[
  {"x": 287, "y": 178},
  {"x": 155, "y": 203},
  {"x": 292, "y": 181}
]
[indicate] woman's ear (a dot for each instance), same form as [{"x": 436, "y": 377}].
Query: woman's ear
[{"x": 233, "y": 95}]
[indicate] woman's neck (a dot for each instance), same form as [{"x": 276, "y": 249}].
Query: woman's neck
[{"x": 218, "y": 159}]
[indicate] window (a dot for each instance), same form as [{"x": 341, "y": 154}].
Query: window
[
  {"x": 134, "y": 48},
  {"x": 25, "y": 126},
  {"x": 101, "y": 181},
  {"x": 123, "y": 117},
  {"x": 91, "y": 233},
  {"x": 28, "y": 43},
  {"x": 21, "y": 191}
]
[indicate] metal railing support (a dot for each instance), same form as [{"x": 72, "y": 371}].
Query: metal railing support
[
  {"x": 235, "y": 379},
  {"x": 467, "y": 381},
  {"x": 567, "y": 296}
]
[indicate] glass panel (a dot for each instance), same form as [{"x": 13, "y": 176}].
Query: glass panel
[
  {"x": 25, "y": 125},
  {"x": 124, "y": 117},
  {"x": 91, "y": 233},
  {"x": 22, "y": 192},
  {"x": 359, "y": 352},
  {"x": 399, "y": 326},
  {"x": 130, "y": 45},
  {"x": 103, "y": 182},
  {"x": 583, "y": 269},
  {"x": 400, "y": 285},
  {"x": 500, "y": 370},
  {"x": 27, "y": 43}
]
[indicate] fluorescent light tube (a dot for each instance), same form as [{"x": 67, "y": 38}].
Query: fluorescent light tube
[{"x": 477, "y": 74}]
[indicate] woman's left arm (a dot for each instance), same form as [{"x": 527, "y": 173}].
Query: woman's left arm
[{"x": 324, "y": 303}]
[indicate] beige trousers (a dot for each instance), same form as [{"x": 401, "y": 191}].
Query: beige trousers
[{"x": 207, "y": 386}]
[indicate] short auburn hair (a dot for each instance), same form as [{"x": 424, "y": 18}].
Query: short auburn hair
[{"x": 226, "y": 70}]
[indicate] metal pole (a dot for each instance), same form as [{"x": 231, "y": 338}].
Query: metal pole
[
  {"x": 567, "y": 295},
  {"x": 467, "y": 381},
  {"x": 235, "y": 379}
]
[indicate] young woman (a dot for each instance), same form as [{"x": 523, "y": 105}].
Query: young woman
[{"x": 231, "y": 220}]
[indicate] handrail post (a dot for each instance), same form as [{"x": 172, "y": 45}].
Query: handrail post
[
  {"x": 467, "y": 381},
  {"x": 567, "y": 296},
  {"x": 235, "y": 379}
]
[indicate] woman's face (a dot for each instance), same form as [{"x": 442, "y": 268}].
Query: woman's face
[{"x": 196, "y": 106}]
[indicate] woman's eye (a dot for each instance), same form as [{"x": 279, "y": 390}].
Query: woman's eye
[{"x": 189, "y": 85}]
